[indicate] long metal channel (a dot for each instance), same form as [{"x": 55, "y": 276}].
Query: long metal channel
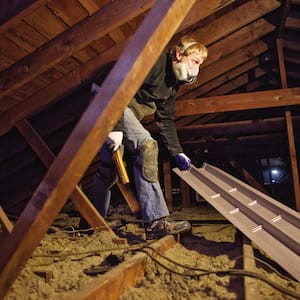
[{"x": 272, "y": 226}]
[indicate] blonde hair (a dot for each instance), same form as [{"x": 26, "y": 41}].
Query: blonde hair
[{"x": 188, "y": 45}]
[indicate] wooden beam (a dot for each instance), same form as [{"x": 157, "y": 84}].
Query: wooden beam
[
  {"x": 248, "y": 127},
  {"x": 66, "y": 43},
  {"x": 55, "y": 91},
  {"x": 241, "y": 147},
  {"x": 47, "y": 157},
  {"x": 247, "y": 176},
  {"x": 167, "y": 181},
  {"x": 237, "y": 40},
  {"x": 224, "y": 65},
  {"x": 237, "y": 82},
  {"x": 130, "y": 198},
  {"x": 18, "y": 11},
  {"x": 6, "y": 225},
  {"x": 68, "y": 83},
  {"x": 244, "y": 101},
  {"x": 89, "y": 135},
  {"x": 234, "y": 20},
  {"x": 289, "y": 124},
  {"x": 250, "y": 284},
  {"x": 293, "y": 158},
  {"x": 112, "y": 284},
  {"x": 226, "y": 77}
]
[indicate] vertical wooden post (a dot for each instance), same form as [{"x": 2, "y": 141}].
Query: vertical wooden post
[
  {"x": 290, "y": 131},
  {"x": 167, "y": 182},
  {"x": 6, "y": 225},
  {"x": 185, "y": 194}
]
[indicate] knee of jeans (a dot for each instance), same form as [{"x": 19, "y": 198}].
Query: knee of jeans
[{"x": 149, "y": 157}]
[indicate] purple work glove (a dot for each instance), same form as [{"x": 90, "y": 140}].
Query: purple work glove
[{"x": 182, "y": 162}]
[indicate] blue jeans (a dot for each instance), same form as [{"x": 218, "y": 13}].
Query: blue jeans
[{"x": 149, "y": 194}]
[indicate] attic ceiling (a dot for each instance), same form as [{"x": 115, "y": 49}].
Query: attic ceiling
[{"x": 50, "y": 51}]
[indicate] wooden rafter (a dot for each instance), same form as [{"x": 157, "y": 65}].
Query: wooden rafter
[{"x": 89, "y": 134}]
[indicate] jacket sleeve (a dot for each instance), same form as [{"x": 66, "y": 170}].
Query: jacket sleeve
[{"x": 164, "y": 118}]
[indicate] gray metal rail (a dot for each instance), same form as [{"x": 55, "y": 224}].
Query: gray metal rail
[{"x": 272, "y": 226}]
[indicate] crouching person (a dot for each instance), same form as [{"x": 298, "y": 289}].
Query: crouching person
[{"x": 156, "y": 95}]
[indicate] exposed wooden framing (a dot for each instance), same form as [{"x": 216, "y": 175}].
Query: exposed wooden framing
[
  {"x": 112, "y": 285},
  {"x": 185, "y": 194},
  {"x": 234, "y": 20},
  {"x": 6, "y": 225},
  {"x": 225, "y": 148},
  {"x": 21, "y": 14},
  {"x": 56, "y": 90},
  {"x": 224, "y": 65},
  {"x": 289, "y": 123},
  {"x": 237, "y": 82},
  {"x": 203, "y": 90},
  {"x": 89, "y": 134},
  {"x": 80, "y": 200},
  {"x": 238, "y": 39},
  {"x": 293, "y": 157},
  {"x": 167, "y": 182},
  {"x": 248, "y": 177},
  {"x": 250, "y": 284},
  {"x": 129, "y": 196},
  {"x": 235, "y": 128},
  {"x": 77, "y": 37},
  {"x": 72, "y": 80},
  {"x": 264, "y": 99}
]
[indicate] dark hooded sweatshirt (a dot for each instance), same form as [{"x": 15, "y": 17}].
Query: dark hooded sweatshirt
[{"x": 157, "y": 95}]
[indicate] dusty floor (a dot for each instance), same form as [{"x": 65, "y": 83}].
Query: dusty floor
[{"x": 65, "y": 259}]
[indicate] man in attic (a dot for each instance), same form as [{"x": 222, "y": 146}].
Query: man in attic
[{"x": 157, "y": 95}]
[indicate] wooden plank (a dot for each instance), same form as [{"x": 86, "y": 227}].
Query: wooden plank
[
  {"x": 293, "y": 21},
  {"x": 201, "y": 10},
  {"x": 185, "y": 194},
  {"x": 167, "y": 182},
  {"x": 56, "y": 90},
  {"x": 79, "y": 36},
  {"x": 40, "y": 20},
  {"x": 250, "y": 284},
  {"x": 6, "y": 225},
  {"x": 89, "y": 134},
  {"x": 234, "y": 20},
  {"x": 248, "y": 127},
  {"x": 238, "y": 40},
  {"x": 93, "y": 5},
  {"x": 274, "y": 145},
  {"x": 224, "y": 65},
  {"x": 19, "y": 12},
  {"x": 237, "y": 82},
  {"x": 70, "y": 12},
  {"x": 219, "y": 80},
  {"x": 243, "y": 101},
  {"x": 289, "y": 124},
  {"x": 247, "y": 176},
  {"x": 130, "y": 198},
  {"x": 25, "y": 36},
  {"x": 80, "y": 200},
  {"x": 112, "y": 285},
  {"x": 293, "y": 158}
]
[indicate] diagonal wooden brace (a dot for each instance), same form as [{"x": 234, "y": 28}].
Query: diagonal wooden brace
[{"x": 87, "y": 210}]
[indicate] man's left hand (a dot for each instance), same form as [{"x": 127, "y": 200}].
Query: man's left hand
[{"x": 182, "y": 161}]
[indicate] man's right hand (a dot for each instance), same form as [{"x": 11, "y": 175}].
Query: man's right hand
[{"x": 114, "y": 140}]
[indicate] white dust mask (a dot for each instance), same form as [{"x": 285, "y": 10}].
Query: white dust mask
[{"x": 184, "y": 72}]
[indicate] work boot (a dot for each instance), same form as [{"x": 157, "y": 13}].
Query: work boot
[{"x": 161, "y": 227}]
